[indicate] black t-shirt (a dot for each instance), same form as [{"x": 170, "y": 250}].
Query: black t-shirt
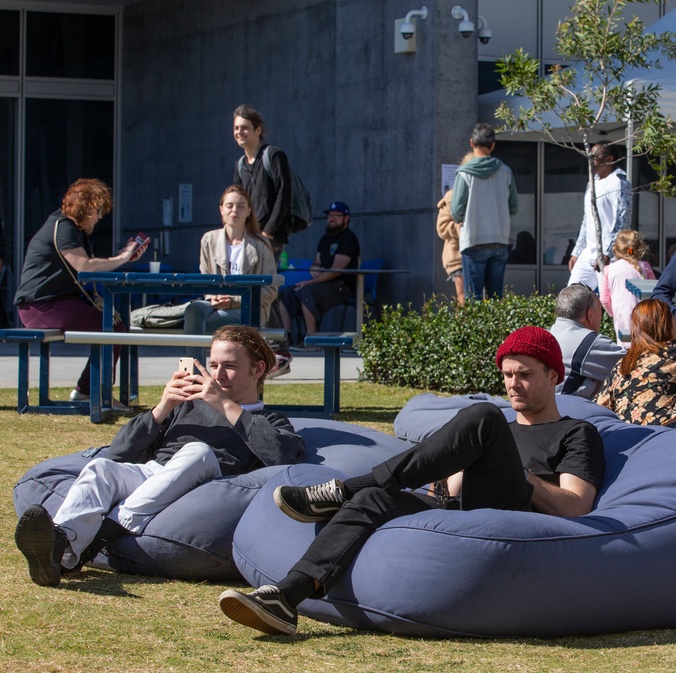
[
  {"x": 569, "y": 445},
  {"x": 44, "y": 275},
  {"x": 345, "y": 243}
]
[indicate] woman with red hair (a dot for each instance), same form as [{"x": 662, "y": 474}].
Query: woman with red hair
[
  {"x": 641, "y": 388},
  {"x": 49, "y": 296}
]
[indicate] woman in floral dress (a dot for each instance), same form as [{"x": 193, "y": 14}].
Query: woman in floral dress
[{"x": 641, "y": 388}]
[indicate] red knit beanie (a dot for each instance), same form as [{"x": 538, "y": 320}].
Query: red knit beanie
[{"x": 535, "y": 342}]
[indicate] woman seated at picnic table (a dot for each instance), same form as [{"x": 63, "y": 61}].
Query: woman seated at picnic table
[
  {"x": 236, "y": 248},
  {"x": 641, "y": 388},
  {"x": 49, "y": 294}
]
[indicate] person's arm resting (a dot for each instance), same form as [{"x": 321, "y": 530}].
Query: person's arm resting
[
  {"x": 580, "y": 472},
  {"x": 137, "y": 440},
  {"x": 339, "y": 262},
  {"x": 572, "y": 497}
]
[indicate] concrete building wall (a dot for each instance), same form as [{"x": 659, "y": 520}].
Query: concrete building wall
[{"x": 359, "y": 122}]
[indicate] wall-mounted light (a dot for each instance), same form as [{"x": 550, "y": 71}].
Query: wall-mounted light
[
  {"x": 404, "y": 31},
  {"x": 466, "y": 27}
]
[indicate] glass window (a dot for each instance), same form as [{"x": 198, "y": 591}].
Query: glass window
[
  {"x": 70, "y": 45},
  {"x": 646, "y": 208},
  {"x": 489, "y": 79},
  {"x": 66, "y": 140},
  {"x": 7, "y": 212},
  {"x": 500, "y": 14},
  {"x": 670, "y": 228},
  {"x": 9, "y": 43},
  {"x": 565, "y": 180},
  {"x": 522, "y": 159}
]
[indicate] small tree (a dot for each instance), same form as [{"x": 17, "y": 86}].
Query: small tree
[{"x": 607, "y": 48}]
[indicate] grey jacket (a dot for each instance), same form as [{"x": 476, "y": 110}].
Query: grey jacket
[
  {"x": 258, "y": 439},
  {"x": 484, "y": 197},
  {"x": 587, "y": 365}
]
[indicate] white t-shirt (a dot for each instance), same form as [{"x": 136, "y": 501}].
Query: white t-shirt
[{"x": 236, "y": 257}]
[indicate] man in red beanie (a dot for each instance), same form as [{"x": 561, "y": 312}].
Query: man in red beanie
[{"x": 541, "y": 461}]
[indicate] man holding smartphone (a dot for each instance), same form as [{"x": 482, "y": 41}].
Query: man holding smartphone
[{"x": 208, "y": 424}]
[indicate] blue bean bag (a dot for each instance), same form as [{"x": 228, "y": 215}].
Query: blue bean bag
[
  {"x": 192, "y": 539},
  {"x": 493, "y": 573}
]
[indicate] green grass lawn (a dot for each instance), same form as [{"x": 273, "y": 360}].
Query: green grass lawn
[{"x": 102, "y": 621}]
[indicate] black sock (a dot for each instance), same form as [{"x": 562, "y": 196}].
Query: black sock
[
  {"x": 296, "y": 587},
  {"x": 354, "y": 484},
  {"x": 110, "y": 530}
]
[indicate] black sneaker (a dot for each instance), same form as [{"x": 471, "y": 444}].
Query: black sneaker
[
  {"x": 265, "y": 609},
  {"x": 43, "y": 544},
  {"x": 309, "y": 504}
]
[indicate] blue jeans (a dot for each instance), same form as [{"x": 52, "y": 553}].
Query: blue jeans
[
  {"x": 484, "y": 266},
  {"x": 202, "y": 318}
]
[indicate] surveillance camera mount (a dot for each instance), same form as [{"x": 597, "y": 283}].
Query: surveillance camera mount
[
  {"x": 458, "y": 13},
  {"x": 422, "y": 13}
]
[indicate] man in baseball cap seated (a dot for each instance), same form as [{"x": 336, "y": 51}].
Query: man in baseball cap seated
[
  {"x": 541, "y": 461},
  {"x": 338, "y": 249}
]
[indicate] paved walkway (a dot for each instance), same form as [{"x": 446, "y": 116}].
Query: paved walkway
[{"x": 156, "y": 366}]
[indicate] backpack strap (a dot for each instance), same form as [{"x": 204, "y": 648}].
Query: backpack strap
[
  {"x": 267, "y": 161},
  {"x": 575, "y": 378}
]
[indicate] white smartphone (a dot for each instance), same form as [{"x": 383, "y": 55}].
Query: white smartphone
[{"x": 186, "y": 365}]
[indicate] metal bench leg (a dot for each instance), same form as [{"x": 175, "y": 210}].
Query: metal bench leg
[
  {"x": 24, "y": 371},
  {"x": 97, "y": 413},
  {"x": 331, "y": 381},
  {"x": 125, "y": 375},
  {"x": 133, "y": 373},
  {"x": 44, "y": 374}
]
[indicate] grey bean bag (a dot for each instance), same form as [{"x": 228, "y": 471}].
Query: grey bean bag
[
  {"x": 496, "y": 573},
  {"x": 192, "y": 539}
]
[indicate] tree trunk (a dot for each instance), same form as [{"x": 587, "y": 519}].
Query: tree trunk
[{"x": 600, "y": 259}]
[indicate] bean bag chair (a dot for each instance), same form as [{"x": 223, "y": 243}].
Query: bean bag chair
[
  {"x": 493, "y": 573},
  {"x": 192, "y": 539}
]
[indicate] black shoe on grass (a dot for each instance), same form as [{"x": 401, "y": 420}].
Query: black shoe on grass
[
  {"x": 43, "y": 544},
  {"x": 309, "y": 504},
  {"x": 265, "y": 610}
]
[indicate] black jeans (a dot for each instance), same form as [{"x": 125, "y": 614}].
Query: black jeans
[{"x": 478, "y": 440}]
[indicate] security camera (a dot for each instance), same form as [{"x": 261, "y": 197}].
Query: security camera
[
  {"x": 466, "y": 28},
  {"x": 485, "y": 35},
  {"x": 407, "y": 30}
]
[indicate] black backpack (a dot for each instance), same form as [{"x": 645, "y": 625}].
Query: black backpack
[{"x": 301, "y": 203}]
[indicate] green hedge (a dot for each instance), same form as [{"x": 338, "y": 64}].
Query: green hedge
[{"x": 449, "y": 347}]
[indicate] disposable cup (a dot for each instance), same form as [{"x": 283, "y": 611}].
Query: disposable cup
[{"x": 154, "y": 267}]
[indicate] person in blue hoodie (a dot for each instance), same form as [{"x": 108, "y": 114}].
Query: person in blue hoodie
[
  {"x": 665, "y": 288},
  {"x": 484, "y": 199}
]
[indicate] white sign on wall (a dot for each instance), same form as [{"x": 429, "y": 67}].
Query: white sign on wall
[
  {"x": 185, "y": 203},
  {"x": 448, "y": 172}
]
